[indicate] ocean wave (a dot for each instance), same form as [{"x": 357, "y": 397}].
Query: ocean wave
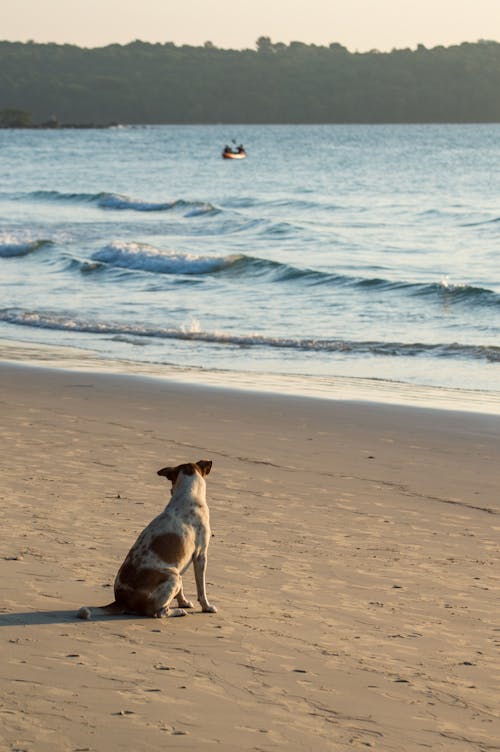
[
  {"x": 48, "y": 320},
  {"x": 300, "y": 204},
  {"x": 278, "y": 229},
  {"x": 142, "y": 257},
  {"x": 451, "y": 292},
  {"x": 145, "y": 258},
  {"x": 119, "y": 202},
  {"x": 292, "y": 204},
  {"x": 493, "y": 221},
  {"x": 12, "y": 245},
  {"x": 458, "y": 292},
  {"x": 442, "y": 291}
]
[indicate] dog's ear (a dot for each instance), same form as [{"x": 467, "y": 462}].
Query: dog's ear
[
  {"x": 170, "y": 473},
  {"x": 205, "y": 466}
]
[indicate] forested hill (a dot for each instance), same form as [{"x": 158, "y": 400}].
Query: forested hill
[{"x": 274, "y": 83}]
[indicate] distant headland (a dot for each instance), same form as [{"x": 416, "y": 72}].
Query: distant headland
[
  {"x": 23, "y": 119},
  {"x": 142, "y": 83}
]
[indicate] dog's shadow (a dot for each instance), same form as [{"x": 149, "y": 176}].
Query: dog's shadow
[{"x": 58, "y": 616}]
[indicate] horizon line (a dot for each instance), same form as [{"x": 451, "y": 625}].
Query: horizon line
[{"x": 210, "y": 45}]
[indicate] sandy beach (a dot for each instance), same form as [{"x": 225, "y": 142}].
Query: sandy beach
[{"x": 354, "y": 566}]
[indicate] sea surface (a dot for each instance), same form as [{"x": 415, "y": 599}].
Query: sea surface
[{"x": 332, "y": 255}]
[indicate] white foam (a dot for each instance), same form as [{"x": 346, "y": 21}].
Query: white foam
[
  {"x": 446, "y": 284},
  {"x": 193, "y": 327}
]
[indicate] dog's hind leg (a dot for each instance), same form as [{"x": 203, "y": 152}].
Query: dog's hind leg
[{"x": 164, "y": 595}]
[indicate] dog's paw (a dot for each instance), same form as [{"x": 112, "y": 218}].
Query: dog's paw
[
  {"x": 164, "y": 612},
  {"x": 177, "y": 612},
  {"x": 208, "y": 609}
]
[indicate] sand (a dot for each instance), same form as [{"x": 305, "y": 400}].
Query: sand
[{"x": 354, "y": 565}]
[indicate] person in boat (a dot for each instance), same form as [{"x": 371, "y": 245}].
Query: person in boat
[
  {"x": 240, "y": 149},
  {"x": 227, "y": 149}
]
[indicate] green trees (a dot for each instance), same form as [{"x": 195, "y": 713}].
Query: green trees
[{"x": 274, "y": 83}]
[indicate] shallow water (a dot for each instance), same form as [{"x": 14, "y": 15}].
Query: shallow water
[{"x": 360, "y": 252}]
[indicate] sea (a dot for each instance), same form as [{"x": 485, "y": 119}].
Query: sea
[{"x": 337, "y": 261}]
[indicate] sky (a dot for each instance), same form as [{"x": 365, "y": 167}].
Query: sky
[{"x": 358, "y": 24}]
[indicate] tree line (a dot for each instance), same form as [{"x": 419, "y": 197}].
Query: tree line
[{"x": 273, "y": 83}]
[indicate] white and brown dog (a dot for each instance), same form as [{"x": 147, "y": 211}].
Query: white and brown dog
[{"x": 150, "y": 577}]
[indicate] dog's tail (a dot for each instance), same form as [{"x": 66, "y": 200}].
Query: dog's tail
[{"x": 112, "y": 609}]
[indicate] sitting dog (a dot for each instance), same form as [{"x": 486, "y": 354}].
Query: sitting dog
[{"x": 150, "y": 577}]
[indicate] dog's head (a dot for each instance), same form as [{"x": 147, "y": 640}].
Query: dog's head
[{"x": 202, "y": 467}]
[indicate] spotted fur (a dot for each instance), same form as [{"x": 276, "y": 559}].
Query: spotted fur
[{"x": 151, "y": 575}]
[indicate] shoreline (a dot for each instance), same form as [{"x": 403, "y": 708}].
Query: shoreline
[
  {"x": 367, "y": 415},
  {"x": 353, "y": 564},
  {"x": 333, "y": 388}
]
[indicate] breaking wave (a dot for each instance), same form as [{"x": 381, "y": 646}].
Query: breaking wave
[
  {"x": 12, "y": 245},
  {"x": 48, "y": 320},
  {"x": 141, "y": 257}
]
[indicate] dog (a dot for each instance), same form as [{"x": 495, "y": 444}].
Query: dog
[{"x": 151, "y": 575}]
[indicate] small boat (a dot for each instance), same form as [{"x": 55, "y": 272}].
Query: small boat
[{"x": 238, "y": 153}]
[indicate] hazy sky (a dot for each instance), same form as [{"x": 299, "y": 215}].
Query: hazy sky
[{"x": 358, "y": 24}]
